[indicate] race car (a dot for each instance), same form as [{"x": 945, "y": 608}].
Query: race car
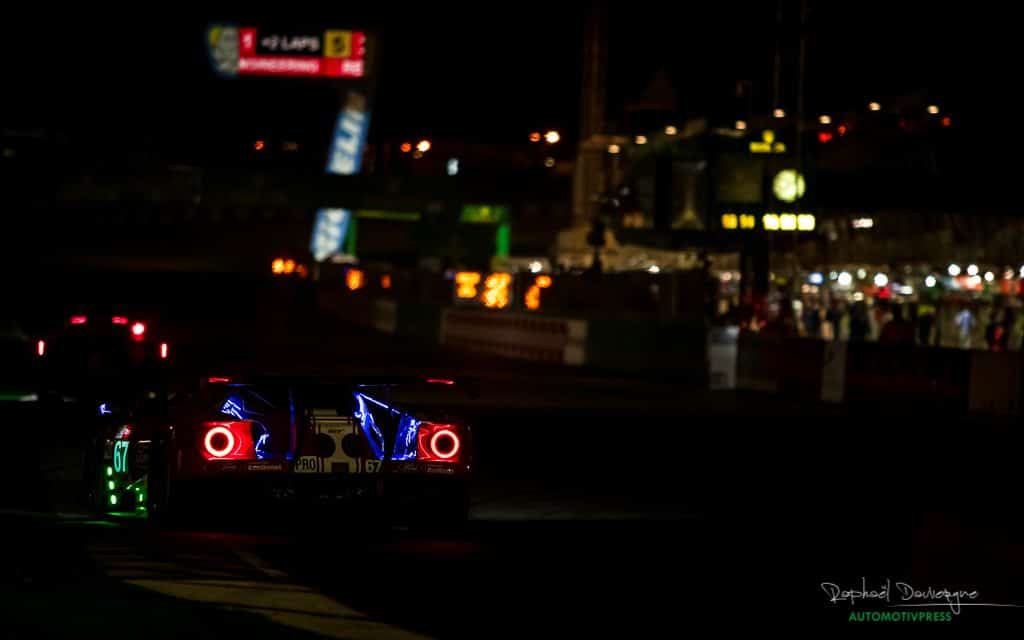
[
  {"x": 233, "y": 444},
  {"x": 90, "y": 349}
]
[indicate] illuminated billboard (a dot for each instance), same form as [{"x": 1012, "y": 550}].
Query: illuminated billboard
[{"x": 334, "y": 53}]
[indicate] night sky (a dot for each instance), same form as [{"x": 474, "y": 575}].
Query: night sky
[{"x": 489, "y": 73}]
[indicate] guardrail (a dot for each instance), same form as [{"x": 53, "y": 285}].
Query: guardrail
[
  {"x": 874, "y": 374},
  {"x": 634, "y": 342}
]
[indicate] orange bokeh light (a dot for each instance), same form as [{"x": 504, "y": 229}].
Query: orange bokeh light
[
  {"x": 354, "y": 279},
  {"x": 465, "y": 282},
  {"x": 496, "y": 290}
]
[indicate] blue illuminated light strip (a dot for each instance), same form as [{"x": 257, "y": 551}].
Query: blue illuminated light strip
[
  {"x": 378, "y": 403},
  {"x": 261, "y": 445},
  {"x": 369, "y": 427},
  {"x": 235, "y": 407},
  {"x": 405, "y": 438},
  {"x": 232, "y": 408}
]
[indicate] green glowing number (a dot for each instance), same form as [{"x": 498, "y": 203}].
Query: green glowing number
[
  {"x": 121, "y": 456},
  {"x": 372, "y": 466}
]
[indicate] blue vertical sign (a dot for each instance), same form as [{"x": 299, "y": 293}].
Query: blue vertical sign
[
  {"x": 344, "y": 159},
  {"x": 329, "y": 232}
]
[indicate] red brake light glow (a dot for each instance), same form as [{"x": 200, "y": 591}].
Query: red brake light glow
[
  {"x": 119, "y": 320},
  {"x": 218, "y": 380},
  {"x": 438, "y": 443},
  {"x": 219, "y": 441},
  {"x": 79, "y": 319},
  {"x": 138, "y": 329},
  {"x": 41, "y": 348},
  {"x": 444, "y": 444},
  {"x": 228, "y": 441},
  {"x": 163, "y": 350},
  {"x": 440, "y": 381}
]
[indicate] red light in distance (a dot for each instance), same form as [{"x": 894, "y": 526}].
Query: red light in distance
[
  {"x": 439, "y": 381},
  {"x": 163, "y": 350},
  {"x": 119, "y": 320},
  {"x": 79, "y": 319},
  {"x": 218, "y": 380},
  {"x": 41, "y": 348},
  {"x": 824, "y": 136},
  {"x": 138, "y": 329}
]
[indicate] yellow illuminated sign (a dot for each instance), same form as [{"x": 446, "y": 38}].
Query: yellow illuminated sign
[
  {"x": 465, "y": 284},
  {"x": 739, "y": 221},
  {"x": 338, "y": 44},
  {"x": 496, "y": 290},
  {"x": 771, "y": 221},
  {"x": 767, "y": 144}
]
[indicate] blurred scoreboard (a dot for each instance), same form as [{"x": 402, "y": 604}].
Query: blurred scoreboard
[{"x": 334, "y": 53}]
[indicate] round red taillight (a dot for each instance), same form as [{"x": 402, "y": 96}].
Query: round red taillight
[
  {"x": 445, "y": 444},
  {"x": 219, "y": 441},
  {"x": 138, "y": 329}
]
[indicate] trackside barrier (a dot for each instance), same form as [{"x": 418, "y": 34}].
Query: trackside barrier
[
  {"x": 675, "y": 348},
  {"x": 791, "y": 366},
  {"x": 515, "y": 335},
  {"x": 833, "y": 372},
  {"x": 869, "y": 374},
  {"x": 997, "y": 381},
  {"x": 907, "y": 375},
  {"x": 862, "y": 373},
  {"x": 421, "y": 321},
  {"x": 373, "y": 313},
  {"x": 723, "y": 350}
]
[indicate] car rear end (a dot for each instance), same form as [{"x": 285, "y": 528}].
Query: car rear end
[
  {"x": 90, "y": 351},
  {"x": 253, "y": 446}
]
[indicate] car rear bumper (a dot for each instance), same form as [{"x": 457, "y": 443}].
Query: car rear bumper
[{"x": 257, "y": 490}]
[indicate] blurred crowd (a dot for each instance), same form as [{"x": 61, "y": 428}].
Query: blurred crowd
[{"x": 990, "y": 326}]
